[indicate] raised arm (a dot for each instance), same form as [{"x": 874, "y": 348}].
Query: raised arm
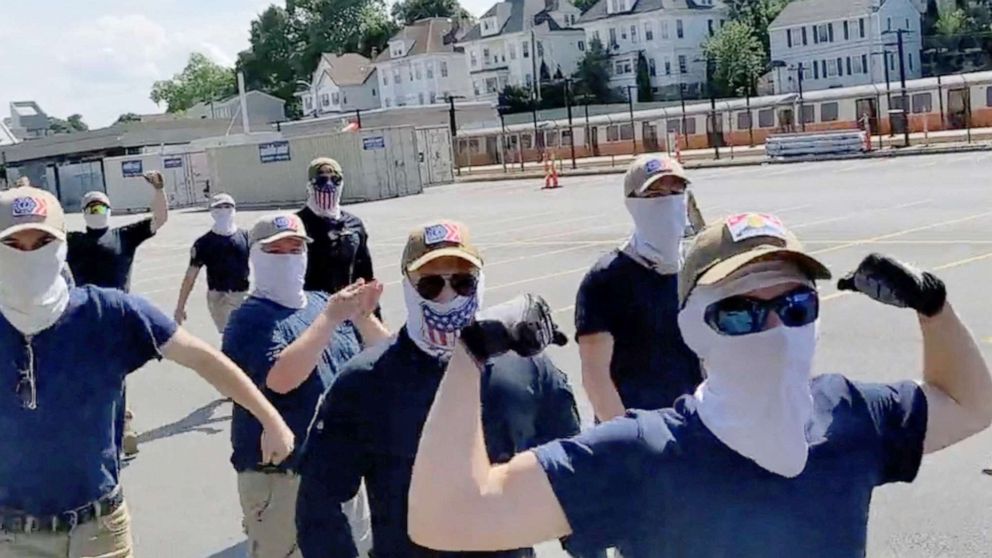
[{"x": 160, "y": 205}]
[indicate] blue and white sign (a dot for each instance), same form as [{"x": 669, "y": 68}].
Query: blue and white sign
[
  {"x": 131, "y": 169},
  {"x": 273, "y": 152},
  {"x": 374, "y": 142},
  {"x": 173, "y": 163}
]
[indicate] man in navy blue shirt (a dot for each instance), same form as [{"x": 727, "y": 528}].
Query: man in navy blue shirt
[
  {"x": 762, "y": 460},
  {"x": 292, "y": 343},
  {"x": 626, "y": 310},
  {"x": 369, "y": 423},
  {"x": 223, "y": 250},
  {"x": 62, "y": 375}
]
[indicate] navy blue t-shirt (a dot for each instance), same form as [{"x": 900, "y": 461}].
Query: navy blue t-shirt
[
  {"x": 651, "y": 365},
  {"x": 660, "y": 485},
  {"x": 256, "y": 334},
  {"x": 103, "y": 257},
  {"x": 226, "y": 260},
  {"x": 63, "y": 454}
]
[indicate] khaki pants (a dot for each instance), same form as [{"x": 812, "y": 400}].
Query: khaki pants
[
  {"x": 269, "y": 505},
  {"x": 106, "y": 537},
  {"x": 222, "y": 304}
]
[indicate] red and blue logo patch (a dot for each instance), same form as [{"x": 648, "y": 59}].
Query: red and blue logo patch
[
  {"x": 29, "y": 207},
  {"x": 436, "y": 234}
]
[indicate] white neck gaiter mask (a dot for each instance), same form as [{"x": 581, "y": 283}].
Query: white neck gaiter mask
[
  {"x": 659, "y": 225},
  {"x": 279, "y": 277},
  {"x": 435, "y": 327},
  {"x": 97, "y": 221},
  {"x": 33, "y": 293},
  {"x": 756, "y": 397},
  {"x": 325, "y": 202},
  {"x": 223, "y": 221}
]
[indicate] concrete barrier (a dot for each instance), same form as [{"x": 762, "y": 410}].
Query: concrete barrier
[{"x": 845, "y": 142}]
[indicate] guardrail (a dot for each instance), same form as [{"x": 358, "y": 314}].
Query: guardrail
[{"x": 811, "y": 145}]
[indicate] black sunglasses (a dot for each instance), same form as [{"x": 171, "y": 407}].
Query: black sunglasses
[
  {"x": 430, "y": 286},
  {"x": 743, "y": 315},
  {"x": 327, "y": 181}
]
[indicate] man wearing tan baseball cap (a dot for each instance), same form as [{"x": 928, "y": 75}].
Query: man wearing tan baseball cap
[
  {"x": 65, "y": 352},
  {"x": 294, "y": 342},
  {"x": 762, "y": 446},
  {"x": 368, "y": 426},
  {"x": 627, "y": 304}
]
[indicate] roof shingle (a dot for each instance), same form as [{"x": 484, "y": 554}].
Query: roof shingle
[{"x": 801, "y": 12}]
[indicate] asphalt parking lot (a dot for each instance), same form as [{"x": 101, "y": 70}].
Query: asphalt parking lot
[{"x": 935, "y": 211}]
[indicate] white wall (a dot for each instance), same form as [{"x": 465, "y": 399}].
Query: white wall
[
  {"x": 561, "y": 48},
  {"x": 409, "y": 93}
]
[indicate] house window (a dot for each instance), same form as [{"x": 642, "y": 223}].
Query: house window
[
  {"x": 623, "y": 33},
  {"x": 420, "y": 98},
  {"x": 325, "y": 100},
  {"x": 816, "y": 70},
  {"x": 429, "y": 68},
  {"x": 626, "y": 132},
  {"x": 907, "y": 24},
  {"x": 627, "y": 69},
  {"x": 633, "y": 33},
  {"x": 385, "y": 78},
  {"x": 847, "y": 32},
  {"x": 743, "y": 120},
  {"x": 690, "y": 126},
  {"x": 804, "y": 36},
  {"x": 766, "y": 118},
  {"x": 888, "y": 24},
  {"x": 840, "y": 67},
  {"x": 864, "y": 63},
  {"x": 664, "y": 30},
  {"x": 788, "y": 37},
  {"x": 911, "y": 61},
  {"x": 335, "y": 98},
  {"x": 652, "y": 69},
  {"x": 595, "y": 36},
  {"x": 683, "y": 69},
  {"x": 540, "y": 49},
  {"x": 581, "y": 45},
  {"x": 472, "y": 58},
  {"x": 492, "y": 85},
  {"x": 828, "y": 112},
  {"x": 475, "y": 87},
  {"x": 525, "y": 49},
  {"x": 485, "y": 56},
  {"x": 619, "y": 68},
  {"x": 529, "y": 80},
  {"x": 648, "y": 32},
  {"x": 668, "y": 67},
  {"x": 613, "y": 37},
  {"x": 821, "y": 34},
  {"x": 679, "y": 32},
  {"x": 513, "y": 51},
  {"x": 861, "y": 27},
  {"x": 922, "y": 102},
  {"x": 830, "y": 32},
  {"x": 444, "y": 69},
  {"x": 892, "y": 62},
  {"x": 612, "y": 133},
  {"x": 420, "y": 76},
  {"x": 673, "y": 126},
  {"x": 709, "y": 26},
  {"x": 809, "y": 114}
]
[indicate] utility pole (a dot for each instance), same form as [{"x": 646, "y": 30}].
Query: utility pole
[
  {"x": 454, "y": 131},
  {"x": 799, "y": 71},
  {"x": 685, "y": 133},
  {"x": 571, "y": 131},
  {"x": 713, "y": 122},
  {"x": 902, "y": 85},
  {"x": 533, "y": 60},
  {"x": 888, "y": 91},
  {"x": 630, "y": 107},
  {"x": 358, "y": 118}
]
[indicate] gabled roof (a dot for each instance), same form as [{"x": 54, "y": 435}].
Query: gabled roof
[
  {"x": 427, "y": 35},
  {"x": 517, "y": 21},
  {"x": 6, "y": 136},
  {"x": 598, "y": 10},
  {"x": 802, "y": 12},
  {"x": 348, "y": 68}
]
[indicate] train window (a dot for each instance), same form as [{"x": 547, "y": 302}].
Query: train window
[
  {"x": 566, "y": 138},
  {"x": 526, "y": 141},
  {"x": 743, "y": 120},
  {"x": 988, "y": 96},
  {"x": 626, "y": 132},
  {"x": 898, "y": 101},
  {"x": 673, "y": 125},
  {"x": 690, "y": 125},
  {"x": 473, "y": 146},
  {"x": 809, "y": 114},
  {"x": 922, "y": 102},
  {"x": 766, "y": 118},
  {"x": 612, "y": 133},
  {"x": 828, "y": 112},
  {"x": 551, "y": 138}
]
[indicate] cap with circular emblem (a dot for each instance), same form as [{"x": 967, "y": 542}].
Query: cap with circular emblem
[
  {"x": 277, "y": 227},
  {"x": 221, "y": 199},
  {"x": 647, "y": 169},
  {"x": 28, "y": 208},
  {"x": 437, "y": 240}
]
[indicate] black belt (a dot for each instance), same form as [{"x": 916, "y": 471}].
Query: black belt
[{"x": 19, "y": 522}]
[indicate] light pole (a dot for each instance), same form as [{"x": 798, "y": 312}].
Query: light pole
[
  {"x": 568, "y": 108},
  {"x": 454, "y": 128},
  {"x": 630, "y": 106},
  {"x": 902, "y": 81},
  {"x": 501, "y": 110}
]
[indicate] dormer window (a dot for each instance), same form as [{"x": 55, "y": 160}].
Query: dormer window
[
  {"x": 618, "y": 6},
  {"x": 396, "y": 49},
  {"x": 489, "y": 26}
]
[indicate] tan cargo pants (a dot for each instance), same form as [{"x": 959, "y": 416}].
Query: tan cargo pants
[
  {"x": 221, "y": 305},
  {"x": 106, "y": 537},
  {"x": 269, "y": 505}
]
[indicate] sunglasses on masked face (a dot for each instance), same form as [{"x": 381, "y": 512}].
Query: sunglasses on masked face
[
  {"x": 327, "y": 181},
  {"x": 430, "y": 286},
  {"x": 96, "y": 209},
  {"x": 743, "y": 315}
]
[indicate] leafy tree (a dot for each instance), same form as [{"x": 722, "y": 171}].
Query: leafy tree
[
  {"x": 758, "y": 14},
  {"x": 951, "y": 22},
  {"x": 409, "y": 11},
  {"x": 68, "y": 126},
  {"x": 340, "y": 26},
  {"x": 127, "y": 117},
  {"x": 593, "y": 74},
  {"x": 201, "y": 80},
  {"x": 737, "y": 56},
  {"x": 514, "y": 98},
  {"x": 644, "y": 91},
  {"x": 272, "y": 63},
  {"x": 583, "y": 5},
  {"x": 75, "y": 122}
]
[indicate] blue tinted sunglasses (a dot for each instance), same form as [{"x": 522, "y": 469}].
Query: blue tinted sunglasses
[
  {"x": 327, "y": 181},
  {"x": 742, "y": 315}
]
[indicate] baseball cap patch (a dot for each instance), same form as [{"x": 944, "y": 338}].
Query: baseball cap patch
[
  {"x": 435, "y": 234},
  {"x": 654, "y": 166},
  {"x": 29, "y": 206},
  {"x": 750, "y": 225},
  {"x": 283, "y": 223}
]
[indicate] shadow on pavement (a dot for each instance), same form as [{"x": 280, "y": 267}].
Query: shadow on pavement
[
  {"x": 239, "y": 550},
  {"x": 197, "y": 421}
]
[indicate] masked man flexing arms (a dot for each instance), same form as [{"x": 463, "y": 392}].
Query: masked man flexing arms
[{"x": 763, "y": 460}]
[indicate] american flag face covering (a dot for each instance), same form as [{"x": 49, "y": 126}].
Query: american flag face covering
[
  {"x": 324, "y": 200},
  {"x": 435, "y": 327}
]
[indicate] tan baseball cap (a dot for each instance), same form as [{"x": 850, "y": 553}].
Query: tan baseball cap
[
  {"x": 320, "y": 162},
  {"x": 271, "y": 228},
  {"x": 27, "y": 208},
  {"x": 646, "y": 169},
  {"x": 221, "y": 199},
  {"x": 95, "y": 197},
  {"x": 437, "y": 240},
  {"x": 723, "y": 248}
]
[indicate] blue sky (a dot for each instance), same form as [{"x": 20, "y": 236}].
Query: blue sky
[{"x": 100, "y": 57}]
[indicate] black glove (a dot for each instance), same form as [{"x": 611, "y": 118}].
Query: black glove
[
  {"x": 523, "y": 325},
  {"x": 892, "y": 282}
]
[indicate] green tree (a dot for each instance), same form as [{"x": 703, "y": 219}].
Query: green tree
[
  {"x": 340, "y": 26},
  {"x": 409, "y": 11},
  {"x": 75, "y": 122},
  {"x": 737, "y": 57},
  {"x": 513, "y": 99},
  {"x": 273, "y": 63},
  {"x": 644, "y": 91},
  {"x": 127, "y": 117},
  {"x": 758, "y": 14},
  {"x": 68, "y": 126},
  {"x": 201, "y": 80},
  {"x": 593, "y": 75},
  {"x": 584, "y": 5},
  {"x": 951, "y": 23}
]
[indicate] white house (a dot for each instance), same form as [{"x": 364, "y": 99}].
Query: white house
[
  {"x": 669, "y": 34},
  {"x": 517, "y": 40},
  {"x": 262, "y": 108},
  {"x": 840, "y": 43},
  {"x": 340, "y": 84},
  {"x": 422, "y": 65}
]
